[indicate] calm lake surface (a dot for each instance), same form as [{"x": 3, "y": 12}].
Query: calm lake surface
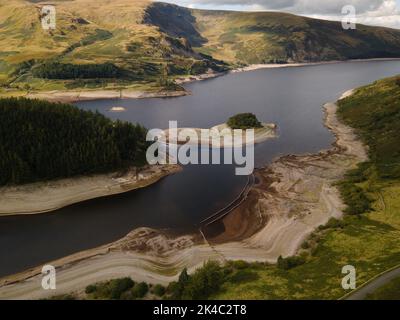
[{"x": 289, "y": 97}]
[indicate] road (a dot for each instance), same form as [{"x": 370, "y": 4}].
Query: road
[{"x": 375, "y": 284}]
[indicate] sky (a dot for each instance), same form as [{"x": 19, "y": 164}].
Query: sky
[{"x": 373, "y": 12}]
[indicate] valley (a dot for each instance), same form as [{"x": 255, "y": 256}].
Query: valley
[{"x": 139, "y": 48}]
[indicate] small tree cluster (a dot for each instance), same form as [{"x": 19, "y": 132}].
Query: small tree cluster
[{"x": 244, "y": 121}]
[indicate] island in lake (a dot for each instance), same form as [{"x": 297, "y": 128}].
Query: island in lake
[{"x": 227, "y": 135}]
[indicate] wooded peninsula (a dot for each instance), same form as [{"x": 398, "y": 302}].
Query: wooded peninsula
[{"x": 40, "y": 140}]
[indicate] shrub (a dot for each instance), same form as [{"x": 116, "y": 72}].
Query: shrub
[
  {"x": 140, "y": 290},
  {"x": 334, "y": 223},
  {"x": 159, "y": 290},
  {"x": 290, "y": 262},
  {"x": 174, "y": 290},
  {"x": 204, "y": 282},
  {"x": 113, "y": 289},
  {"x": 355, "y": 198},
  {"x": 119, "y": 286},
  {"x": 240, "y": 264},
  {"x": 127, "y": 295},
  {"x": 243, "y": 275},
  {"x": 305, "y": 245},
  {"x": 90, "y": 289}
]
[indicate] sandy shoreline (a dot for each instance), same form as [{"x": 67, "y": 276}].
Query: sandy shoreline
[
  {"x": 216, "y": 136},
  {"x": 293, "y": 196},
  {"x": 304, "y": 64},
  {"x": 76, "y": 96},
  {"x": 48, "y": 196},
  {"x": 260, "y": 66}
]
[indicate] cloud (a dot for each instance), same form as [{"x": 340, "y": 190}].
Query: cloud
[{"x": 373, "y": 12}]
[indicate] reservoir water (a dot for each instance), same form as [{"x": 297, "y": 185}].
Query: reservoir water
[{"x": 290, "y": 97}]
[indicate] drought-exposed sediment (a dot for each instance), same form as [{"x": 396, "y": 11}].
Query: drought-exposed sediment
[
  {"x": 220, "y": 136},
  {"x": 82, "y": 95},
  {"x": 48, "y": 196},
  {"x": 291, "y": 198}
]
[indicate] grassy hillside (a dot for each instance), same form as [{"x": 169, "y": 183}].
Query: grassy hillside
[
  {"x": 263, "y": 37},
  {"x": 271, "y": 37},
  {"x": 150, "y": 43},
  {"x": 89, "y": 32}
]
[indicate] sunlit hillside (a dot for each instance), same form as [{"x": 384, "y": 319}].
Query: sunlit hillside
[{"x": 122, "y": 43}]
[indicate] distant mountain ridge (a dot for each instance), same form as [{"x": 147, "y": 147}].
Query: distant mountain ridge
[
  {"x": 264, "y": 37},
  {"x": 151, "y": 42}
]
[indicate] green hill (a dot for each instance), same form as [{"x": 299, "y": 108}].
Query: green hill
[
  {"x": 141, "y": 44},
  {"x": 264, "y": 37}
]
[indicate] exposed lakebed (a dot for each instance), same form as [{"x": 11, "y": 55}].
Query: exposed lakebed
[{"x": 290, "y": 97}]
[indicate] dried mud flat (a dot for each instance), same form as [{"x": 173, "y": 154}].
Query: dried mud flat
[{"x": 40, "y": 197}]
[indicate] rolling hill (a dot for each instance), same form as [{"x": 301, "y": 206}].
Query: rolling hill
[{"x": 143, "y": 44}]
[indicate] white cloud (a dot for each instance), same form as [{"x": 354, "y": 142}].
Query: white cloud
[
  {"x": 386, "y": 15},
  {"x": 373, "y": 12}
]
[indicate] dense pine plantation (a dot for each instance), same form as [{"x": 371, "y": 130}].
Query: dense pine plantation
[
  {"x": 40, "y": 140},
  {"x": 80, "y": 71}
]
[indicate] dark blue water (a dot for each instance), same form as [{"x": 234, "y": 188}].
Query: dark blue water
[{"x": 289, "y": 97}]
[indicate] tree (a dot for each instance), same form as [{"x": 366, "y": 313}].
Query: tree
[
  {"x": 204, "y": 282},
  {"x": 244, "y": 121},
  {"x": 159, "y": 290},
  {"x": 140, "y": 290},
  {"x": 119, "y": 286}
]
